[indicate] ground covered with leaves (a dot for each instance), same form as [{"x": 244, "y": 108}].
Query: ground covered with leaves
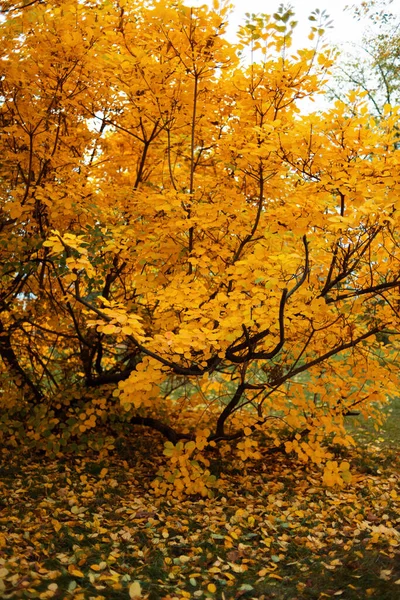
[{"x": 90, "y": 527}]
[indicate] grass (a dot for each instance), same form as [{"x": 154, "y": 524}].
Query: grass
[
  {"x": 87, "y": 528},
  {"x": 388, "y": 436}
]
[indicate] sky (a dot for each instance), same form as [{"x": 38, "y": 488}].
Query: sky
[{"x": 346, "y": 30}]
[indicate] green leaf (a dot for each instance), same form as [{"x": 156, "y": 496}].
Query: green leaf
[
  {"x": 190, "y": 446},
  {"x": 275, "y": 558}
]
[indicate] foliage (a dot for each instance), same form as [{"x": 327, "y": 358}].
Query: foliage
[{"x": 180, "y": 248}]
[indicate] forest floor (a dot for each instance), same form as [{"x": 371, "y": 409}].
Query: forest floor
[{"x": 81, "y": 527}]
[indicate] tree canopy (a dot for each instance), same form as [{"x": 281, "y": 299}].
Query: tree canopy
[{"x": 180, "y": 247}]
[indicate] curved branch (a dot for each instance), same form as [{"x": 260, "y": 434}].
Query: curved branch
[
  {"x": 305, "y": 271},
  {"x": 370, "y": 290},
  {"x": 250, "y": 341},
  {"x": 220, "y": 428},
  {"x": 21, "y": 379},
  {"x": 22, "y": 6},
  {"x": 167, "y": 431},
  {"x": 175, "y": 367},
  {"x": 323, "y": 357}
]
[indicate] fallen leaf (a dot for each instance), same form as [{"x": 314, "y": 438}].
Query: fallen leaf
[
  {"x": 385, "y": 574},
  {"x": 135, "y": 590}
]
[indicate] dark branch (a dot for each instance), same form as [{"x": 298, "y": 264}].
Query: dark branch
[
  {"x": 305, "y": 271},
  {"x": 167, "y": 431},
  {"x": 193, "y": 370},
  {"x": 370, "y": 290},
  {"x": 251, "y": 341},
  {"x": 324, "y": 357},
  {"x": 20, "y": 377},
  {"x": 220, "y": 428}
]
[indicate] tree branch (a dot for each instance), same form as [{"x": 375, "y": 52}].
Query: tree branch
[
  {"x": 167, "y": 431},
  {"x": 251, "y": 341},
  {"x": 220, "y": 428}
]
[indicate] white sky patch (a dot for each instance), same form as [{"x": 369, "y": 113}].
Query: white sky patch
[
  {"x": 344, "y": 27},
  {"x": 345, "y": 32}
]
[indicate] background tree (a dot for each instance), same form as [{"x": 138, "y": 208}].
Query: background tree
[
  {"x": 181, "y": 248},
  {"x": 374, "y": 65}
]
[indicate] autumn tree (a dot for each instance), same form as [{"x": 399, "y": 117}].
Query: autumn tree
[{"x": 181, "y": 248}]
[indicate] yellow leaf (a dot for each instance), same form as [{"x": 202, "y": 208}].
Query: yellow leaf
[
  {"x": 109, "y": 328},
  {"x": 127, "y": 330},
  {"x": 212, "y": 588},
  {"x": 393, "y": 494},
  {"x": 74, "y": 571},
  {"x": 135, "y": 590},
  {"x": 329, "y": 478},
  {"x": 16, "y": 211},
  {"x": 103, "y": 473},
  {"x": 238, "y": 568},
  {"x": 57, "y": 525}
]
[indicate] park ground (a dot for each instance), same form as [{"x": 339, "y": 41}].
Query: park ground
[{"x": 90, "y": 527}]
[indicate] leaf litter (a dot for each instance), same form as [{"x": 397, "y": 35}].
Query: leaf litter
[{"x": 91, "y": 527}]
